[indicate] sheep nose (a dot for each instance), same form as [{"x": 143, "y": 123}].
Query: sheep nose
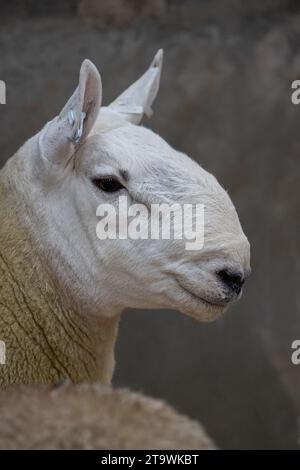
[{"x": 233, "y": 280}]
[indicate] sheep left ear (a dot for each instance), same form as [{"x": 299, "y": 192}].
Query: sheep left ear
[
  {"x": 60, "y": 137},
  {"x": 138, "y": 98}
]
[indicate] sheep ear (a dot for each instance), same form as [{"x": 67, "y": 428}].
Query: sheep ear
[
  {"x": 60, "y": 137},
  {"x": 138, "y": 98}
]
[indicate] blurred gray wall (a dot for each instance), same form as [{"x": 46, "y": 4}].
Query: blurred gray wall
[{"x": 224, "y": 100}]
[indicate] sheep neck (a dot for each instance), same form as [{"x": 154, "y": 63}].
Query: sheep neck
[{"x": 47, "y": 338}]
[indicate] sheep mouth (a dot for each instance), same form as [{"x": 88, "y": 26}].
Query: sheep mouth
[{"x": 219, "y": 304}]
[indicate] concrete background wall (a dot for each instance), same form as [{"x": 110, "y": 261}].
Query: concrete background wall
[{"x": 224, "y": 100}]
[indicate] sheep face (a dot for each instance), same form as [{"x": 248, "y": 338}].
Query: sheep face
[
  {"x": 160, "y": 272},
  {"x": 86, "y": 159}
]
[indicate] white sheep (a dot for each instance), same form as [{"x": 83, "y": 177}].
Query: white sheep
[{"x": 62, "y": 289}]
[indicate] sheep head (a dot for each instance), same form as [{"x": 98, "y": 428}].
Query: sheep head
[{"x": 91, "y": 156}]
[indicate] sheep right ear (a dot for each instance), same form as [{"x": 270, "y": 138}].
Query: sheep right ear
[{"x": 59, "y": 139}]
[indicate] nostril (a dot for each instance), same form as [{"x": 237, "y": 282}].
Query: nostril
[{"x": 233, "y": 280}]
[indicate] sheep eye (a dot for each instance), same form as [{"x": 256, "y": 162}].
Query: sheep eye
[{"x": 108, "y": 184}]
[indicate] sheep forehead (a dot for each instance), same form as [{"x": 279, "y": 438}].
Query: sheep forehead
[
  {"x": 152, "y": 164},
  {"x": 162, "y": 174}
]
